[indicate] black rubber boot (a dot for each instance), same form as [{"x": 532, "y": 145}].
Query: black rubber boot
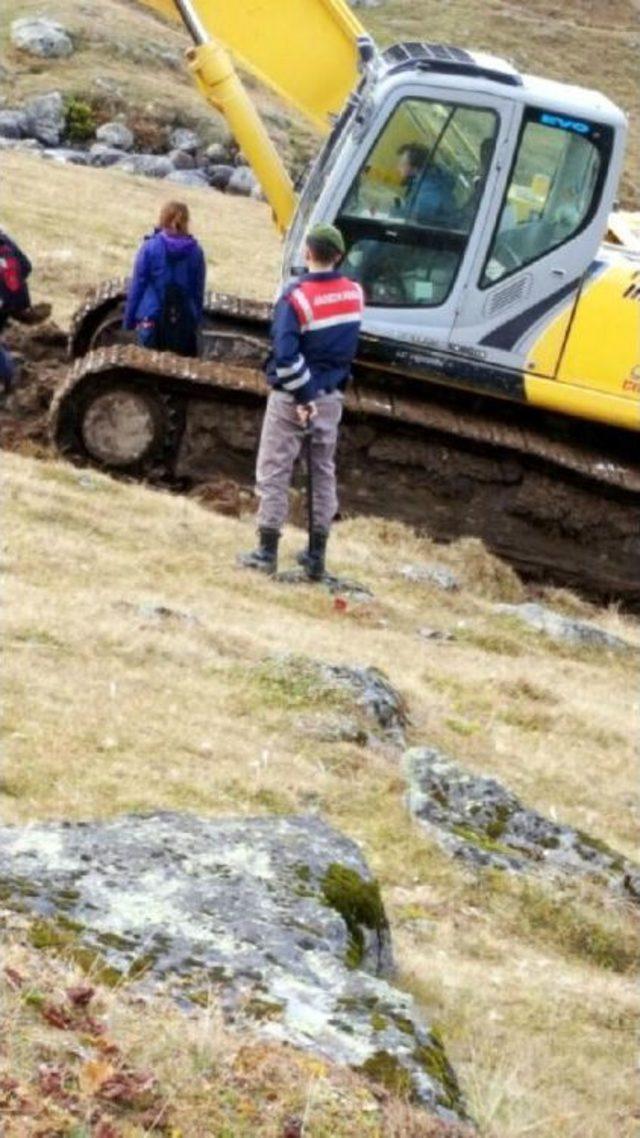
[
  {"x": 313, "y": 560},
  {"x": 265, "y": 557}
]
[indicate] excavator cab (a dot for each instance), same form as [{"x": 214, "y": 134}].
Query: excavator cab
[{"x": 473, "y": 201}]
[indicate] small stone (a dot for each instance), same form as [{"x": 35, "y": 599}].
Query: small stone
[
  {"x": 581, "y": 633},
  {"x": 115, "y": 135},
  {"x": 67, "y": 156},
  {"x": 184, "y": 139},
  {"x": 219, "y": 176},
  {"x": 216, "y": 153},
  {"x": 102, "y": 155},
  {"x": 38, "y": 35},
  {"x": 13, "y": 124},
  {"x": 242, "y": 182},
  {"x": 194, "y": 178},
  {"x": 426, "y": 633},
  {"x": 181, "y": 160},
  {"x": 431, "y": 574},
  {"x": 148, "y": 165}
]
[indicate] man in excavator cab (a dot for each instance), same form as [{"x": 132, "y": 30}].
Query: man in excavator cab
[
  {"x": 314, "y": 338},
  {"x": 428, "y": 187}
]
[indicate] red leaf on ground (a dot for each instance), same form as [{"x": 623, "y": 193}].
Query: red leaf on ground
[
  {"x": 105, "y": 1129},
  {"x": 56, "y": 1016},
  {"x": 14, "y": 978},
  {"x": 339, "y": 604},
  {"x": 292, "y": 1128},
  {"x": 80, "y": 996},
  {"x": 51, "y": 1081},
  {"x": 129, "y": 1088}
]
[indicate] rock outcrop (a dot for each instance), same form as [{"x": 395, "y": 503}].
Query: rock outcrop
[
  {"x": 279, "y": 915},
  {"x": 45, "y": 118},
  {"x": 116, "y": 135},
  {"x": 581, "y": 633},
  {"x": 480, "y": 821}
]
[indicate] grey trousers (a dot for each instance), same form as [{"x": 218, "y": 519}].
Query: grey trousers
[{"x": 280, "y": 444}]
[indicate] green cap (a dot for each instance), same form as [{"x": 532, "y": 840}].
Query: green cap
[{"x": 325, "y": 232}]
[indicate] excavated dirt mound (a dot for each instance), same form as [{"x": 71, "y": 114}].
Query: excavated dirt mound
[{"x": 41, "y": 355}]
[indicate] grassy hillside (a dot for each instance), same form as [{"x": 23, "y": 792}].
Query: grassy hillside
[
  {"x": 120, "y": 66},
  {"x": 111, "y": 706},
  {"x": 88, "y": 224}
]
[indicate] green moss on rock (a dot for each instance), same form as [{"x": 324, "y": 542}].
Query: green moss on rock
[
  {"x": 386, "y": 1070},
  {"x": 433, "y": 1060},
  {"x": 359, "y": 904}
]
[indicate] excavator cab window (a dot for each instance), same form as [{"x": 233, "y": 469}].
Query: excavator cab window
[
  {"x": 409, "y": 212},
  {"x": 552, "y": 194}
]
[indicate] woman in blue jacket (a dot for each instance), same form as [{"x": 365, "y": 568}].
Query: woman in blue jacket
[{"x": 166, "y": 294}]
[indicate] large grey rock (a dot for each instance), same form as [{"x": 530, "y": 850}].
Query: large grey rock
[
  {"x": 116, "y": 135},
  {"x": 46, "y": 118},
  {"x": 194, "y": 178},
  {"x": 149, "y": 165},
  {"x": 41, "y": 36},
  {"x": 13, "y": 124},
  {"x": 242, "y": 182},
  {"x": 480, "y": 821},
  {"x": 280, "y": 915},
  {"x": 180, "y": 160},
  {"x": 102, "y": 155},
  {"x": 562, "y": 628},
  {"x": 219, "y": 176},
  {"x": 431, "y": 574},
  {"x": 184, "y": 139}
]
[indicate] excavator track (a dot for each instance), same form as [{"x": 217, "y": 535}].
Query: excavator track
[{"x": 538, "y": 492}]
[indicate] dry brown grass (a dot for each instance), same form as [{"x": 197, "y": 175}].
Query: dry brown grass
[
  {"x": 82, "y": 226},
  {"x": 108, "y": 708}
]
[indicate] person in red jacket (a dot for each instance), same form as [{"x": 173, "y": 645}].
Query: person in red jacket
[{"x": 314, "y": 339}]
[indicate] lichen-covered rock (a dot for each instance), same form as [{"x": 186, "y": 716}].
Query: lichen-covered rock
[
  {"x": 46, "y": 118},
  {"x": 480, "y": 821},
  {"x": 116, "y": 135},
  {"x": 281, "y": 915},
  {"x": 431, "y": 574},
  {"x": 345, "y": 688},
  {"x": 565, "y": 629},
  {"x": 38, "y": 35}
]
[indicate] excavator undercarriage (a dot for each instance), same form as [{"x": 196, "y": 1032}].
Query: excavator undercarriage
[{"x": 556, "y": 498}]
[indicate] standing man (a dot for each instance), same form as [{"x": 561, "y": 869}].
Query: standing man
[{"x": 314, "y": 339}]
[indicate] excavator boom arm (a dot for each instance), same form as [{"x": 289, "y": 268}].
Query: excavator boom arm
[{"x": 304, "y": 50}]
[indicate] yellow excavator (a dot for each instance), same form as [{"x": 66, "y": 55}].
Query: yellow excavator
[{"x": 496, "y": 390}]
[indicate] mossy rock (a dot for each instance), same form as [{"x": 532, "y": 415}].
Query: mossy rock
[{"x": 359, "y": 903}]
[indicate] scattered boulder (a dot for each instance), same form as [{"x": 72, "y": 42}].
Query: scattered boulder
[
  {"x": 431, "y": 574},
  {"x": 243, "y": 182},
  {"x": 184, "y": 139},
  {"x": 181, "y": 160},
  {"x": 565, "y": 629},
  {"x": 38, "y": 35},
  {"x": 188, "y": 178},
  {"x": 115, "y": 135},
  {"x": 46, "y": 118},
  {"x": 281, "y": 915},
  {"x": 375, "y": 693},
  {"x": 13, "y": 124},
  {"x": 149, "y": 165},
  {"x": 102, "y": 155},
  {"x": 219, "y": 176},
  {"x": 480, "y": 821}
]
